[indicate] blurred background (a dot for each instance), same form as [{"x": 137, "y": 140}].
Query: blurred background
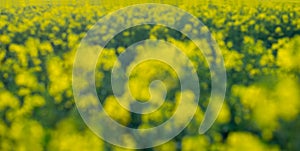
[{"x": 260, "y": 42}]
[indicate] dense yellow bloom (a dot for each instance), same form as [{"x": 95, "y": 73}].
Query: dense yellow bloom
[
  {"x": 195, "y": 143},
  {"x": 260, "y": 46},
  {"x": 169, "y": 146},
  {"x": 4, "y": 39},
  {"x": 7, "y": 99},
  {"x": 21, "y": 129},
  {"x": 289, "y": 56},
  {"x": 68, "y": 137},
  {"x": 26, "y": 79},
  {"x": 116, "y": 111},
  {"x": 247, "y": 142},
  {"x": 224, "y": 115}
]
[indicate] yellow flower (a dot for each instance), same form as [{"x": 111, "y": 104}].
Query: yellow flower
[
  {"x": 116, "y": 111},
  {"x": 245, "y": 141},
  {"x": 190, "y": 143},
  {"x": 4, "y": 39},
  {"x": 224, "y": 115},
  {"x": 26, "y": 79},
  {"x": 7, "y": 99}
]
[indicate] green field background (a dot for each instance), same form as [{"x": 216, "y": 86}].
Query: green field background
[{"x": 260, "y": 42}]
